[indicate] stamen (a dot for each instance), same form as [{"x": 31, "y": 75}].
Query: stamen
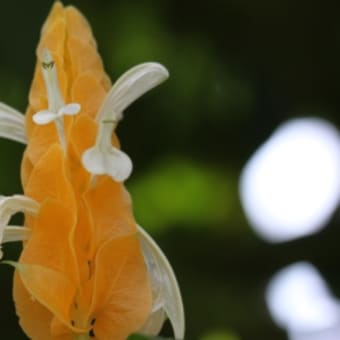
[
  {"x": 56, "y": 107},
  {"x": 104, "y": 158},
  {"x": 48, "y": 65},
  {"x": 49, "y": 72}
]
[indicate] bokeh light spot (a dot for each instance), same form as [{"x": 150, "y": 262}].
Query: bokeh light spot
[
  {"x": 291, "y": 185},
  {"x": 300, "y": 302}
]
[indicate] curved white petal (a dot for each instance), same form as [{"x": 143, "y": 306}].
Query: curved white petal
[
  {"x": 44, "y": 117},
  {"x": 70, "y": 109},
  {"x": 154, "y": 323},
  {"x": 130, "y": 86},
  {"x": 159, "y": 267},
  {"x": 113, "y": 162},
  {"x": 12, "y": 124},
  {"x": 15, "y": 233},
  {"x": 10, "y": 206},
  {"x": 7, "y": 112},
  {"x": 13, "y": 132}
]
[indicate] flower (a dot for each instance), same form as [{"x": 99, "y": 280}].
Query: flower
[{"x": 87, "y": 270}]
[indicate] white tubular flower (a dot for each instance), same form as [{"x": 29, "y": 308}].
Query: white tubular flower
[
  {"x": 166, "y": 294},
  {"x": 10, "y": 206},
  {"x": 56, "y": 107},
  {"x": 12, "y": 124},
  {"x": 104, "y": 158}
]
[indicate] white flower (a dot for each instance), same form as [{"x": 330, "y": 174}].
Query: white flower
[
  {"x": 103, "y": 157},
  {"x": 56, "y": 107}
]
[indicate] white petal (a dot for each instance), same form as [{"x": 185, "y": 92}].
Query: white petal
[
  {"x": 70, "y": 109},
  {"x": 154, "y": 323},
  {"x": 12, "y": 124},
  {"x": 7, "y": 112},
  {"x": 93, "y": 162},
  {"x": 13, "y": 132},
  {"x": 159, "y": 266},
  {"x": 10, "y": 205},
  {"x": 130, "y": 86},
  {"x": 44, "y": 117},
  {"x": 113, "y": 162},
  {"x": 15, "y": 233}
]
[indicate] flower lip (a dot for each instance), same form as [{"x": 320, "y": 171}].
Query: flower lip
[
  {"x": 45, "y": 116},
  {"x": 113, "y": 162}
]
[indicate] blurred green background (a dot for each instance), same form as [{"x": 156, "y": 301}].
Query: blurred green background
[{"x": 238, "y": 68}]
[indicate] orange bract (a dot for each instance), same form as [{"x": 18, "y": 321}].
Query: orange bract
[{"x": 82, "y": 270}]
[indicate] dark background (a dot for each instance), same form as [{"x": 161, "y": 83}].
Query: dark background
[{"x": 238, "y": 69}]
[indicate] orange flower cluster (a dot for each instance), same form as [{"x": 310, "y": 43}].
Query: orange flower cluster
[{"x": 86, "y": 269}]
